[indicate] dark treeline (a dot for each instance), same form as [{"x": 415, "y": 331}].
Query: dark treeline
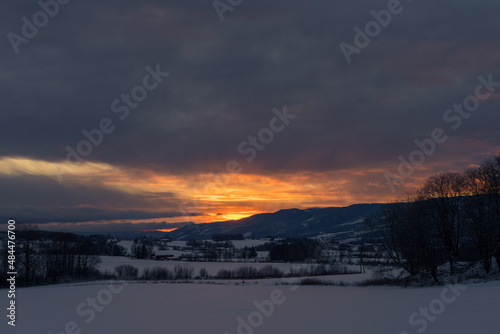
[
  {"x": 227, "y": 237},
  {"x": 452, "y": 217},
  {"x": 51, "y": 257},
  {"x": 217, "y": 251},
  {"x": 293, "y": 249}
]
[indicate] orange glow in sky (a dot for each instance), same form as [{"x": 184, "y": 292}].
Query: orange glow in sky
[
  {"x": 162, "y": 230},
  {"x": 237, "y": 196}
]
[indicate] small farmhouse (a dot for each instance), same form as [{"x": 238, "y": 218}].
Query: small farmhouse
[{"x": 163, "y": 255}]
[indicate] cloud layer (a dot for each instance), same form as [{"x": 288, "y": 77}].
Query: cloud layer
[{"x": 353, "y": 120}]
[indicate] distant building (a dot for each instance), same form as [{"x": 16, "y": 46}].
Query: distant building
[{"x": 162, "y": 255}]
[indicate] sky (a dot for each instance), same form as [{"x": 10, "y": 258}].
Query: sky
[{"x": 123, "y": 114}]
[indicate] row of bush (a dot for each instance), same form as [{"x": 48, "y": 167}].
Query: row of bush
[
  {"x": 128, "y": 272},
  {"x": 185, "y": 271},
  {"x": 321, "y": 270},
  {"x": 248, "y": 272}
]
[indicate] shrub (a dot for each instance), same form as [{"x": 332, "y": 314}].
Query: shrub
[
  {"x": 223, "y": 274},
  {"x": 312, "y": 281},
  {"x": 126, "y": 271},
  {"x": 157, "y": 273},
  {"x": 270, "y": 271},
  {"x": 203, "y": 273},
  {"x": 183, "y": 271},
  {"x": 245, "y": 272}
]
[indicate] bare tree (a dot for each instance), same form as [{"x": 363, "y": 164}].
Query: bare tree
[
  {"x": 407, "y": 236},
  {"x": 27, "y": 246},
  {"x": 483, "y": 209},
  {"x": 423, "y": 230},
  {"x": 443, "y": 198},
  {"x": 183, "y": 271}
]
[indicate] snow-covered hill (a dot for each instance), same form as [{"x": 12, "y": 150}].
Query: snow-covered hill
[{"x": 341, "y": 222}]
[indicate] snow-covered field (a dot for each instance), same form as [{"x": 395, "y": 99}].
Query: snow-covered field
[{"x": 150, "y": 308}]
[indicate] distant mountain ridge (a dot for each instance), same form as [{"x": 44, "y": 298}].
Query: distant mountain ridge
[{"x": 342, "y": 223}]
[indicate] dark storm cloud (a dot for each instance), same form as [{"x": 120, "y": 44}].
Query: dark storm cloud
[
  {"x": 226, "y": 77},
  {"x": 115, "y": 228},
  {"x": 39, "y": 199},
  {"x": 38, "y": 215}
]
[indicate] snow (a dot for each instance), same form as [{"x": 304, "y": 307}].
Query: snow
[
  {"x": 356, "y": 222},
  {"x": 206, "y": 308},
  {"x": 126, "y": 243}
]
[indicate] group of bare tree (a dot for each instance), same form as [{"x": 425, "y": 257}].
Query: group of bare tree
[
  {"x": 431, "y": 226},
  {"x": 48, "y": 258}
]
